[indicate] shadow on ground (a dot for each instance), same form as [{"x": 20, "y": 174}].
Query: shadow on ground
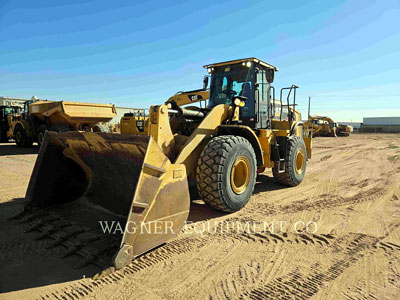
[
  {"x": 12, "y": 149},
  {"x": 199, "y": 211},
  {"x": 25, "y": 262},
  {"x": 28, "y": 263}
]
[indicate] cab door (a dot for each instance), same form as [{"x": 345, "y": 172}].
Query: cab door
[{"x": 262, "y": 100}]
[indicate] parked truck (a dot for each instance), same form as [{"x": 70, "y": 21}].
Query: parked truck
[
  {"x": 8, "y": 106},
  {"x": 60, "y": 116}
]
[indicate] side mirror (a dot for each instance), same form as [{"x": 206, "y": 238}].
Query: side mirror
[
  {"x": 269, "y": 74},
  {"x": 205, "y": 82}
]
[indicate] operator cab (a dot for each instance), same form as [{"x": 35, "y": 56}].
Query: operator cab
[{"x": 250, "y": 78}]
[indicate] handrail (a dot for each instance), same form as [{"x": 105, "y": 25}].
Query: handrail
[
  {"x": 273, "y": 102},
  {"x": 290, "y": 114}
]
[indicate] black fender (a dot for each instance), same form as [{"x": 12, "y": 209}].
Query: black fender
[{"x": 247, "y": 133}]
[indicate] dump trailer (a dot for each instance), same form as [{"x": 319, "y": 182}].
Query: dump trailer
[
  {"x": 59, "y": 116},
  {"x": 8, "y": 107},
  {"x": 82, "y": 179}
]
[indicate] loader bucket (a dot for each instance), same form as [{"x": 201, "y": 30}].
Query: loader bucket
[{"x": 92, "y": 179}]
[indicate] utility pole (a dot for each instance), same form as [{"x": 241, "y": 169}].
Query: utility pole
[{"x": 309, "y": 102}]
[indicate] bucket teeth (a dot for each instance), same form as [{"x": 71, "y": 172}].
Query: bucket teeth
[{"x": 87, "y": 260}]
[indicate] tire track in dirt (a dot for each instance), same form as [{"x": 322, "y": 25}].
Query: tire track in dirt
[
  {"x": 251, "y": 272},
  {"x": 295, "y": 285},
  {"x": 302, "y": 285},
  {"x": 234, "y": 282},
  {"x": 193, "y": 243},
  {"x": 326, "y": 201},
  {"x": 182, "y": 246}
]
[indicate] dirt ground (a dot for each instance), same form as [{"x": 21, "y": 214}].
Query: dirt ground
[{"x": 336, "y": 236}]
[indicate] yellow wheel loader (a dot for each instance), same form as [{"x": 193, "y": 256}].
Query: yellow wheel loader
[{"x": 83, "y": 179}]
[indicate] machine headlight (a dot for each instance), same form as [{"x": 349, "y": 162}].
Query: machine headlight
[{"x": 239, "y": 102}]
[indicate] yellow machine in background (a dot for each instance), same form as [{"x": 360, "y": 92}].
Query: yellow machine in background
[
  {"x": 344, "y": 130},
  {"x": 142, "y": 180},
  {"x": 321, "y": 126},
  {"x": 325, "y": 126},
  {"x": 8, "y": 107},
  {"x": 135, "y": 122},
  {"x": 39, "y": 116}
]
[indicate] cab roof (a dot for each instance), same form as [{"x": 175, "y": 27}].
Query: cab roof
[{"x": 236, "y": 61}]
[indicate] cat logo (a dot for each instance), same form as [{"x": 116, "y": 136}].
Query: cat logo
[{"x": 195, "y": 97}]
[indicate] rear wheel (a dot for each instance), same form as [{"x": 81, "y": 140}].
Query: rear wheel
[
  {"x": 226, "y": 173},
  {"x": 21, "y": 138},
  {"x": 41, "y": 132},
  {"x": 101, "y": 128},
  {"x": 295, "y": 163}
]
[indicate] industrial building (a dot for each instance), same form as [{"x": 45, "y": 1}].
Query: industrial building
[
  {"x": 381, "y": 125},
  {"x": 7, "y": 101}
]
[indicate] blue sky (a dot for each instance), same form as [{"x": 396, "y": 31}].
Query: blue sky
[{"x": 344, "y": 54}]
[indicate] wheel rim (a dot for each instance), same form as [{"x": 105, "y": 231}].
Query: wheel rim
[
  {"x": 299, "y": 161},
  {"x": 240, "y": 175},
  {"x": 18, "y": 136}
]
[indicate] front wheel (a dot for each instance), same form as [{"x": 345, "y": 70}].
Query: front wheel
[
  {"x": 21, "y": 138},
  {"x": 226, "y": 173}
]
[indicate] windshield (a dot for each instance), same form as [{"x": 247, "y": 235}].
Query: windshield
[{"x": 232, "y": 80}]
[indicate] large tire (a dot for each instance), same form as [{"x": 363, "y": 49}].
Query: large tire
[
  {"x": 226, "y": 173},
  {"x": 21, "y": 138},
  {"x": 101, "y": 128},
  {"x": 295, "y": 163},
  {"x": 41, "y": 132}
]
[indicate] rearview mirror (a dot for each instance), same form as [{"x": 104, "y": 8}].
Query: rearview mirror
[{"x": 205, "y": 82}]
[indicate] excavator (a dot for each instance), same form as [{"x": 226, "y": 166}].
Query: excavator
[{"x": 141, "y": 181}]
